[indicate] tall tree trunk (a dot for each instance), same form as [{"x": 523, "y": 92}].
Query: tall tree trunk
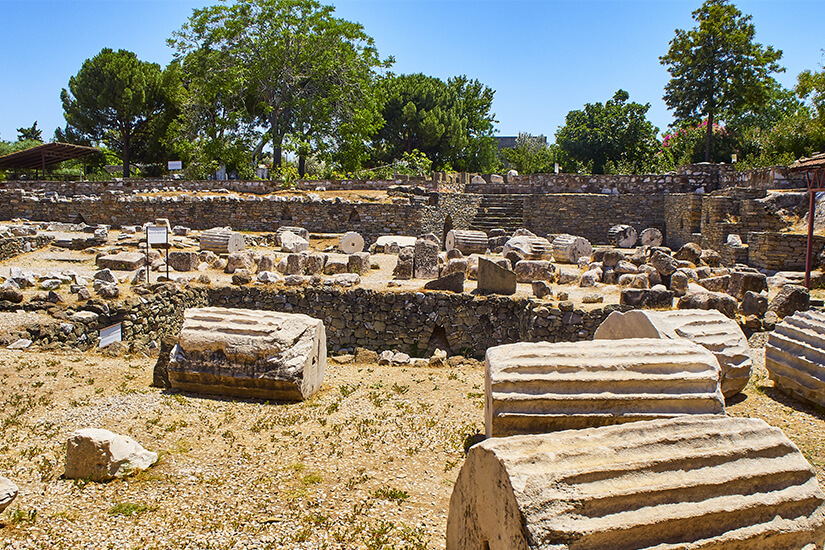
[
  {"x": 126, "y": 152},
  {"x": 276, "y": 154},
  {"x": 302, "y": 165},
  {"x": 709, "y": 136}
]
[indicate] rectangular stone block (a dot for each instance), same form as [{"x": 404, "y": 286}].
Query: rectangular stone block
[
  {"x": 123, "y": 261},
  {"x": 249, "y": 353}
]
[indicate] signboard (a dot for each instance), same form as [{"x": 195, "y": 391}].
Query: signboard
[
  {"x": 110, "y": 335},
  {"x": 175, "y": 165},
  {"x": 156, "y": 234}
]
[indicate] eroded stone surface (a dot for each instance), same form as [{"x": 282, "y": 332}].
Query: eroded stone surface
[
  {"x": 709, "y": 329},
  {"x": 541, "y": 387},
  {"x": 8, "y": 492},
  {"x": 689, "y": 483},
  {"x": 248, "y": 353},
  {"x": 795, "y": 356},
  {"x": 101, "y": 455}
]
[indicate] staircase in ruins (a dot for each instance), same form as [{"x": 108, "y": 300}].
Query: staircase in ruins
[{"x": 499, "y": 211}]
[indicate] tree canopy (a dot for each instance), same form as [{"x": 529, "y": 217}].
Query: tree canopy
[
  {"x": 31, "y": 133},
  {"x": 288, "y": 67},
  {"x": 450, "y": 122},
  {"x": 531, "y": 155},
  {"x": 610, "y": 137},
  {"x": 717, "y": 70},
  {"x": 117, "y": 99}
]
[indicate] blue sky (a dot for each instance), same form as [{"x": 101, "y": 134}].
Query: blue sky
[{"x": 542, "y": 57}]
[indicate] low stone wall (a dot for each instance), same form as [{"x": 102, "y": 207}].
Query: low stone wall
[
  {"x": 600, "y": 184},
  {"x": 773, "y": 177},
  {"x": 683, "y": 219},
  {"x": 13, "y": 246},
  {"x": 412, "y": 322},
  {"x": 781, "y": 251}
]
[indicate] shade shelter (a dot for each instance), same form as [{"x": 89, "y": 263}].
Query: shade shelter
[
  {"x": 814, "y": 170},
  {"x": 39, "y": 157}
]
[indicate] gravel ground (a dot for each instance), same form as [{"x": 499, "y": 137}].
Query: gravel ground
[{"x": 369, "y": 462}]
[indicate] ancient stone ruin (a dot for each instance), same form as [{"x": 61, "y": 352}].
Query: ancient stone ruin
[
  {"x": 795, "y": 356},
  {"x": 705, "y": 481},
  {"x": 541, "y": 387},
  {"x": 710, "y": 329},
  {"x": 248, "y": 353},
  {"x": 101, "y": 455}
]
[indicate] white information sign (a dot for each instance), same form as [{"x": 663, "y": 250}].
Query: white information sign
[
  {"x": 110, "y": 335},
  {"x": 175, "y": 165},
  {"x": 156, "y": 234}
]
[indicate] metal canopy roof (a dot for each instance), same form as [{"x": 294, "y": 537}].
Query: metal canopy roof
[
  {"x": 45, "y": 155},
  {"x": 810, "y": 163}
]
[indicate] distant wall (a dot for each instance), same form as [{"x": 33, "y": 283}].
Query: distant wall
[{"x": 781, "y": 251}]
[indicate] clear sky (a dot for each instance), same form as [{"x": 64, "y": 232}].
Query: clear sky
[{"x": 542, "y": 57}]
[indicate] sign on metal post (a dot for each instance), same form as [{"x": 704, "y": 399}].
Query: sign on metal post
[
  {"x": 110, "y": 335},
  {"x": 175, "y": 165},
  {"x": 157, "y": 235}
]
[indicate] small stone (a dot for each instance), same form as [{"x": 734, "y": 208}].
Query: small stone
[
  {"x": 8, "y": 492},
  {"x": 100, "y": 455},
  {"x": 592, "y": 299},
  {"x": 542, "y": 290},
  {"x": 242, "y": 277}
]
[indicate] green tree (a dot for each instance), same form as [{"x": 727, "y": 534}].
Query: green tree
[
  {"x": 32, "y": 133},
  {"x": 287, "y": 66},
  {"x": 717, "y": 69},
  {"x": 531, "y": 155},
  {"x": 615, "y": 136},
  {"x": 450, "y": 122},
  {"x": 117, "y": 99}
]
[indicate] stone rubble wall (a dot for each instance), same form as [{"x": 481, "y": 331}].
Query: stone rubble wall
[
  {"x": 14, "y": 246},
  {"x": 411, "y": 322},
  {"x": 781, "y": 251},
  {"x": 683, "y": 219}
]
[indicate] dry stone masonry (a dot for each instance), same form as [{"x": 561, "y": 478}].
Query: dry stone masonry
[
  {"x": 688, "y": 482},
  {"x": 542, "y": 387},
  {"x": 710, "y": 329},
  {"x": 795, "y": 356},
  {"x": 248, "y": 353}
]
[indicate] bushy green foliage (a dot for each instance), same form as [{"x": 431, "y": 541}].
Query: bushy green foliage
[
  {"x": 531, "y": 155},
  {"x": 608, "y": 137}
]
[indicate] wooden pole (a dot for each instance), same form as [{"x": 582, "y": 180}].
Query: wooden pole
[{"x": 810, "y": 244}]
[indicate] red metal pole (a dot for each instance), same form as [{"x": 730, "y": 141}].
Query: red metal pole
[{"x": 809, "y": 250}]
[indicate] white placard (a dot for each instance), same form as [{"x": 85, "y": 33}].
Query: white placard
[
  {"x": 175, "y": 165},
  {"x": 110, "y": 335},
  {"x": 156, "y": 234}
]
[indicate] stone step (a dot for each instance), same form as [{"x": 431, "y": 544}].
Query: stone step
[{"x": 699, "y": 481}]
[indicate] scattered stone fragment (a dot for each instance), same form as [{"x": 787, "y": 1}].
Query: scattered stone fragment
[
  {"x": 242, "y": 277},
  {"x": 528, "y": 271},
  {"x": 8, "y": 492},
  {"x": 542, "y": 290},
  {"x": 698, "y": 297},
  {"x": 122, "y": 261},
  {"x": 359, "y": 262},
  {"x": 351, "y": 242},
  {"x": 453, "y": 282},
  {"x": 100, "y": 455},
  {"x": 795, "y": 356},
  {"x": 743, "y": 281},
  {"x": 291, "y": 242},
  {"x": 493, "y": 279},
  {"x": 754, "y": 304},
  {"x": 240, "y": 260},
  {"x": 425, "y": 260},
  {"x": 657, "y": 296},
  {"x": 790, "y": 299},
  {"x": 592, "y": 299},
  {"x": 720, "y": 283}
]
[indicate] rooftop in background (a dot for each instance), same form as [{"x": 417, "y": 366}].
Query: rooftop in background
[
  {"x": 48, "y": 154},
  {"x": 816, "y": 161}
]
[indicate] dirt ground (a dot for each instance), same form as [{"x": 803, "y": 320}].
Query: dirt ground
[{"x": 369, "y": 462}]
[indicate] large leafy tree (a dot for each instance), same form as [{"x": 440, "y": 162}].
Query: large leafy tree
[
  {"x": 614, "y": 136},
  {"x": 531, "y": 155},
  {"x": 117, "y": 99},
  {"x": 450, "y": 122},
  {"x": 288, "y": 67},
  {"x": 717, "y": 70},
  {"x": 31, "y": 133}
]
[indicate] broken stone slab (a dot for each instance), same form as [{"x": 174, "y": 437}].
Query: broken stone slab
[
  {"x": 456, "y": 265},
  {"x": 8, "y": 492},
  {"x": 494, "y": 279},
  {"x": 249, "y": 353},
  {"x": 240, "y": 260},
  {"x": 710, "y": 329},
  {"x": 754, "y": 304},
  {"x": 540, "y": 387},
  {"x": 425, "y": 259},
  {"x": 221, "y": 241},
  {"x": 698, "y": 297},
  {"x": 719, "y": 283},
  {"x": 105, "y": 276},
  {"x": 335, "y": 264},
  {"x": 665, "y": 264},
  {"x": 123, "y": 261},
  {"x": 453, "y": 282},
  {"x": 528, "y": 247},
  {"x": 657, "y": 296},
  {"x": 743, "y": 281},
  {"x": 300, "y": 231},
  {"x": 21, "y": 343},
  {"x": 691, "y": 482},
  {"x": 570, "y": 248},
  {"x": 790, "y": 299},
  {"x": 101, "y": 455},
  {"x": 384, "y": 242},
  {"x": 290, "y": 242},
  {"x": 795, "y": 356},
  {"x": 528, "y": 271},
  {"x": 359, "y": 262},
  {"x": 181, "y": 260},
  {"x": 351, "y": 242},
  {"x": 622, "y": 236}
]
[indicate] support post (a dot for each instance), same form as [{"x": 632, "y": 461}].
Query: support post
[{"x": 810, "y": 243}]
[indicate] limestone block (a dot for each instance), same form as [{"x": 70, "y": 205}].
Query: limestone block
[
  {"x": 123, "y": 261},
  {"x": 720, "y": 283},
  {"x": 335, "y": 264},
  {"x": 221, "y": 241},
  {"x": 351, "y": 242},
  {"x": 300, "y": 231},
  {"x": 8, "y": 492},
  {"x": 743, "y": 281},
  {"x": 651, "y": 237},
  {"x": 622, "y": 236},
  {"x": 590, "y": 277},
  {"x": 570, "y": 248},
  {"x": 542, "y": 290},
  {"x": 542, "y": 387},
  {"x": 267, "y": 262},
  {"x": 295, "y": 264},
  {"x": 249, "y": 353},
  {"x": 690, "y": 252},
  {"x": 425, "y": 259},
  {"x": 453, "y": 282},
  {"x": 456, "y": 265},
  {"x": 180, "y": 260},
  {"x": 240, "y": 260},
  {"x": 686, "y": 483},
  {"x": 795, "y": 356},
  {"x": 665, "y": 264},
  {"x": 383, "y": 243},
  {"x": 528, "y": 271},
  {"x": 403, "y": 269},
  {"x": 698, "y": 297},
  {"x": 656, "y": 296},
  {"x": 291, "y": 242},
  {"x": 710, "y": 329},
  {"x": 101, "y": 455},
  {"x": 494, "y": 279},
  {"x": 789, "y": 299},
  {"x": 315, "y": 263},
  {"x": 679, "y": 283},
  {"x": 528, "y": 247},
  {"x": 468, "y": 242},
  {"x": 359, "y": 262}
]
